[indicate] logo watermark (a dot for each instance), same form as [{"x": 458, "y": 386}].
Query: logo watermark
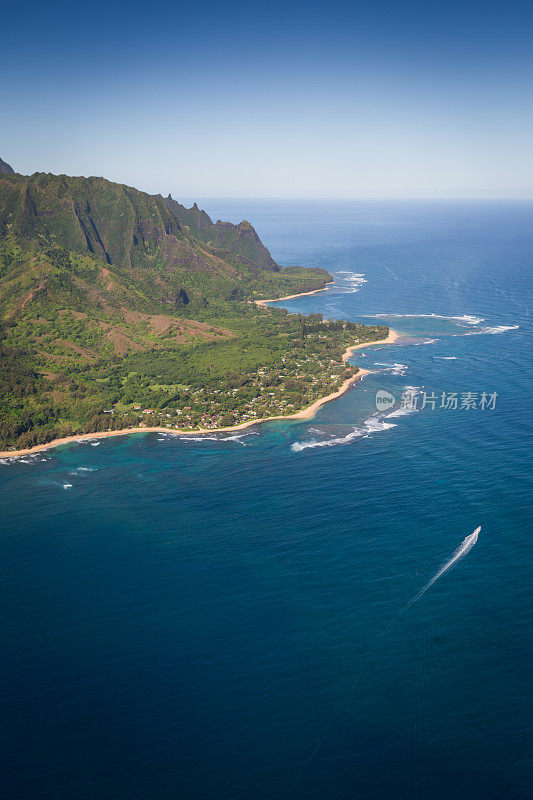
[
  {"x": 418, "y": 400},
  {"x": 384, "y": 400}
]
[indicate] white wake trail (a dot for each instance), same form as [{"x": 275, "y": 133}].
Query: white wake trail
[{"x": 464, "y": 548}]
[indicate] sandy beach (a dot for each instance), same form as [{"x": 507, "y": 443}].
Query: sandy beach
[
  {"x": 292, "y": 296},
  {"x": 305, "y": 413},
  {"x": 391, "y": 338}
]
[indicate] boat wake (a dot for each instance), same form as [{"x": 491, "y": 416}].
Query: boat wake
[
  {"x": 460, "y": 553},
  {"x": 464, "y": 548}
]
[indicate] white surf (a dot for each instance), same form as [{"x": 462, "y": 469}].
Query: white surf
[{"x": 470, "y": 319}]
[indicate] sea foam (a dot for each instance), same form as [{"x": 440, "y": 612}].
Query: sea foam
[
  {"x": 402, "y": 412},
  {"x": 490, "y": 329},
  {"x": 394, "y": 369},
  {"x": 499, "y": 329},
  {"x": 370, "y": 426},
  {"x": 353, "y": 279},
  {"x": 237, "y": 437},
  {"x": 470, "y": 319}
]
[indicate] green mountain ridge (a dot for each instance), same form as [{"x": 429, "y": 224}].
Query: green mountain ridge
[
  {"x": 240, "y": 239},
  {"x": 125, "y": 227}
]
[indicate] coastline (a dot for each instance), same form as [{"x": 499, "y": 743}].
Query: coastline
[
  {"x": 391, "y": 338},
  {"x": 305, "y": 413},
  {"x": 292, "y": 296}
]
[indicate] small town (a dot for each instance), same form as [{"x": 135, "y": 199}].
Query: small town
[{"x": 267, "y": 393}]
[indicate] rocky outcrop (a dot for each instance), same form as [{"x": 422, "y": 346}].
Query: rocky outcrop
[
  {"x": 239, "y": 241},
  {"x": 6, "y": 169}
]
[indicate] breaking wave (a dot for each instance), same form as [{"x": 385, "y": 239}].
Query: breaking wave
[
  {"x": 402, "y": 412},
  {"x": 405, "y": 410},
  {"x": 237, "y": 437},
  {"x": 499, "y": 329},
  {"x": 32, "y": 458},
  {"x": 370, "y": 426},
  {"x": 394, "y": 369},
  {"x": 469, "y": 319},
  {"x": 374, "y": 424},
  {"x": 490, "y": 329},
  {"x": 353, "y": 279},
  {"x": 199, "y": 438}
]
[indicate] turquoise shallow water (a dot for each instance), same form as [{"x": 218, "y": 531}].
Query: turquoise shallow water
[{"x": 225, "y": 618}]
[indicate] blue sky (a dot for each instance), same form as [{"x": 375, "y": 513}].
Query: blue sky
[{"x": 269, "y": 100}]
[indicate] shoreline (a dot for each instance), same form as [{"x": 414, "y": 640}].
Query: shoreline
[
  {"x": 292, "y": 296},
  {"x": 305, "y": 413},
  {"x": 391, "y": 338}
]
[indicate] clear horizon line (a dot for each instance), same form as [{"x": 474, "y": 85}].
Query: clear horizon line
[{"x": 348, "y": 197}]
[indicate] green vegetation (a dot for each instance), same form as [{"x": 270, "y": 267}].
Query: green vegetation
[{"x": 119, "y": 308}]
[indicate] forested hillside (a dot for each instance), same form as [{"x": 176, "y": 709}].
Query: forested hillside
[{"x": 116, "y": 304}]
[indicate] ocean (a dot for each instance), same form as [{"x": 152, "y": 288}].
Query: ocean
[{"x": 230, "y": 616}]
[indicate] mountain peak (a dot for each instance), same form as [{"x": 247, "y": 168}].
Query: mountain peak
[{"x": 6, "y": 169}]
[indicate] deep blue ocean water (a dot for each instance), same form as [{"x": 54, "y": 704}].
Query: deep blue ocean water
[{"x": 226, "y": 618}]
